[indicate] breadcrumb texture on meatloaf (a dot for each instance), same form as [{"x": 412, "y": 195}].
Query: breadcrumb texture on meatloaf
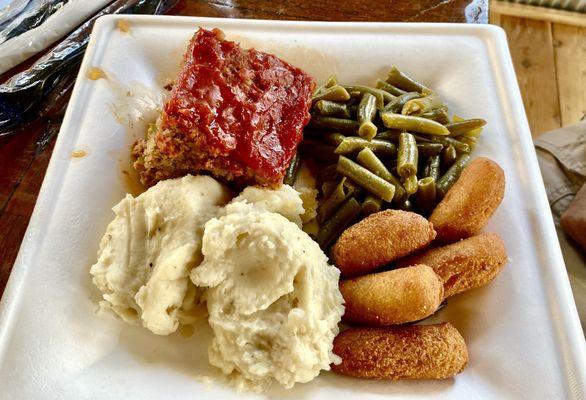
[{"x": 233, "y": 113}]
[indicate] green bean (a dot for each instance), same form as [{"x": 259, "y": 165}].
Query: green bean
[
  {"x": 381, "y": 95},
  {"x": 439, "y": 114},
  {"x": 432, "y": 167},
  {"x": 415, "y": 124},
  {"x": 407, "y": 155},
  {"x": 371, "y": 162},
  {"x": 334, "y": 138},
  {"x": 334, "y": 93},
  {"x": 371, "y": 204},
  {"x": 334, "y": 226},
  {"x": 329, "y": 206},
  {"x": 352, "y": 188},
  {"x": 291, "y": 172},
  {"x": 425, "y": 199},
  {"x": 391, "y": 135},
  {"x": 366, "y": 112},
  {"x": 410, "y": 184},
  {"x": 449, "y": 155},
  {"x": 427, "y": 138},
  {"x": 397, "y": 104},
  {"x": 451, "y": 176},
  {"x": 366, "y": 179},
  {"x": 335, "y": 124},
  {"x": 327, "y": 187},
  {"x": 355, "y": 144},
  {"x": 387, "y": 87},
  {"x": 332, "y": 109},
  {"x": 462, "y": 127},
  {"x": 456, "y": 144},
  {"x": 429, "y": 149},
  {"x": 420, "y": 105},
  {"x": 471, "y": 141},
  {"x": 331, "y": 81},
  {"x": 402, "y": 81}
]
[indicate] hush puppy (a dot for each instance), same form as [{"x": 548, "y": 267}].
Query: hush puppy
[
  {"x": 379, "y": 239},
  {"x": 464, "y": 265},
  {"x": 470, "y": 203},
  {"x": 392, "y": 297},
  {"x": 403, "y": 352}
]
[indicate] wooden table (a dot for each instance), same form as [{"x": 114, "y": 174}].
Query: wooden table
[{"x": 23, "y": 162}]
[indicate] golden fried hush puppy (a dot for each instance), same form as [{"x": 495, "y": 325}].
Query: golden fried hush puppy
[
  {"x": 470, "y": 203},
  {"x": 402, "y": 352},
  {"x": 379, "y": 239},
  {"x": 464, "y": 265},
  {"x": 392, "y": 297}
]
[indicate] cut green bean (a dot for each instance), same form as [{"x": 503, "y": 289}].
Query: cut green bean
[
  {"x": 415, "y": 124},
  {"x": 456, "y": 144},
  {"x": 471, "y": 141},
  {"x": 329, "y": 206},
  {"x": 410, "y": 184},
  {"x": 449, "y": 155},
  {"x": 334, "y": 138},
  {"x": 432, "y": 167},
  {"x": 371, "y": 205},
  {"x": 334, "y": 93},
  {"x": 426, "y": 195},
  {"x": 381, "y": 95},
  {"x": 462, "y": 127},
  {"x": 371, "y": 162},
  {"x": 387, "y": 87},
  {"x": 421, "y": 105},
  {"x": 334, "y": 226},
  {"x": 365, "y": 113},
  {"x": 355, "y": 144},
  {"x": 331, "y": 81},
  {"x": 335, "y": 124},
  {"x": 291, "y": 172},
  {"x": 332, "y": 109},
  {"x": 429, "y": 149},
  {"x": 402, "y": 81},
  {"x": 439, "y": 114},
  {"x": 366, "y": 179},
  {"x": 391, "y": 135},
  {"x": 451, "y": 176},
  {"x": 407, "y": 155},
  {"x": 397, "y": 104}
]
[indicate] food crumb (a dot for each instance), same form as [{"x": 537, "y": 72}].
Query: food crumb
[
  {"x": 95, "y": 73},
  {"x": 123, "y": 26},
  {"x": 78, "y": 153}
]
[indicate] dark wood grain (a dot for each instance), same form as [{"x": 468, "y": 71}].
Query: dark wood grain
[{"x": 23, "y": 164}]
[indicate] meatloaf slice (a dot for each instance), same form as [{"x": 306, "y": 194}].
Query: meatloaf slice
[{"x": 233, "y": 113}]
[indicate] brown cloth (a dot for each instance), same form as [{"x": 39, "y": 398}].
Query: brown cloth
[{"x": 562, "y": 159}]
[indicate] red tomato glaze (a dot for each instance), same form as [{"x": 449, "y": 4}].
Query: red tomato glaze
[{"x": 244, "y": 106}]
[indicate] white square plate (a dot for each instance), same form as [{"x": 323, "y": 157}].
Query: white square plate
[{"x": 522, "y": 330}]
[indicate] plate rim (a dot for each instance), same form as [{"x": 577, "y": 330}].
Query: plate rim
[{"x": 566, "y": 328}]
